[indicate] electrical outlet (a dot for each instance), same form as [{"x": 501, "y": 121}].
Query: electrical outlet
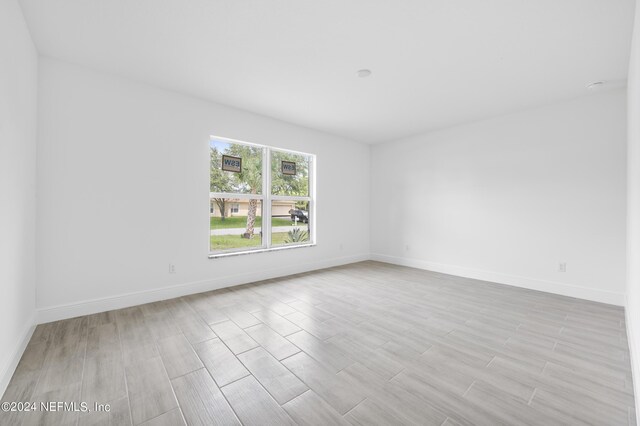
[
  {"x": 562, "y": 267},
  {"x": 172, "y": 268},
  {"x": 341, "y": 246}
]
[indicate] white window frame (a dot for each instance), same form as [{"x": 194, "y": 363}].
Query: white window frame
[{"x": 266, "y": 198}]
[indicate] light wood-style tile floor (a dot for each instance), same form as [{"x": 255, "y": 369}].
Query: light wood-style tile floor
[{"x": 362, "y": 344}]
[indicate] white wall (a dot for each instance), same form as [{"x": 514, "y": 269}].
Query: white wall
[
  {"x": 18, "y": 97},
  {"x": 123, "y": 183},
  {"x": 633, "y": 208},
  {"x": 508, "y": 199}
]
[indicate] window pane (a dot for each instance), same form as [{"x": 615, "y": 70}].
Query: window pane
[
  {"x": 290, "y": 222},
  {"x": 235, "y": 167},
  {"x": 235, "y": 224},
  {"x": 289, "y": 174}
]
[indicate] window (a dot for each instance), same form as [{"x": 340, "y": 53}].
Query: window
[{"x": 249, "y": 183}]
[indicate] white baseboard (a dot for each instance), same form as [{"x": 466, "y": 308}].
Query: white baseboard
[
  {"x": 633, "y": 354},
  {"x": 12, "y": 362},
  {"x": 562, "y": 289},
  {"x": 87, "y": 307}
]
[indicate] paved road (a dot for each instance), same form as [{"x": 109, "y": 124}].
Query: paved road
[{"x": 238, "y": 231}]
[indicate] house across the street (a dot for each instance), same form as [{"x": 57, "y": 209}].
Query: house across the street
[{"x": 241, "y": 208}]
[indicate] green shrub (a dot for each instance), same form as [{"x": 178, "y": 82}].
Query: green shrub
[{"x": 296, "y": 235}]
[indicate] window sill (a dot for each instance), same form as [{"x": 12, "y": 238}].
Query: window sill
[{"x": 264, "y": 250}]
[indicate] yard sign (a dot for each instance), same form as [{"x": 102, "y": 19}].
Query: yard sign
[
  {"x": 231, "y": 164},
  {"x": 289, "y": 168}
]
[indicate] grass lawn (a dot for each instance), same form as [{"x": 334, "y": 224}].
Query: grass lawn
[
  {"x": 277, "y": 238},
  {"x": 227, "y": 242},
  {"x": 241, "y": 222}
]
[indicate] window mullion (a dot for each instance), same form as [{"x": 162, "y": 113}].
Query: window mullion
[
  {"x": 235, "y": 196},
  {"x": 312, "y": 200},
  {"x": 289, "y": 197},
  {"x": 266, "y": 190}
]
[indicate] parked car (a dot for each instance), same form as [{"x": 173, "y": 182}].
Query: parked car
[{"x": 301, "y": 215}]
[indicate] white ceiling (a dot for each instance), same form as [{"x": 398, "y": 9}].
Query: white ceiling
[{"x": 435, "y": 62}]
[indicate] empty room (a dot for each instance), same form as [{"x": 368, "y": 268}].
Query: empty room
[{"x": 279, "y": 212}]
